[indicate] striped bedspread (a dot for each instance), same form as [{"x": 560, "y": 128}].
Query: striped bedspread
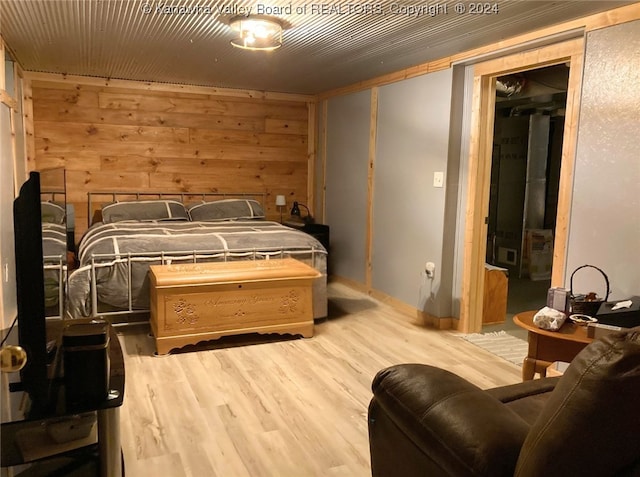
[{"x": 119, "y": 255}]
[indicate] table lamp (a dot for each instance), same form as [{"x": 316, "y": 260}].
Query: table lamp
[
  {"x": 295, "y": 211},
  {"x": 280, "y": 203}
]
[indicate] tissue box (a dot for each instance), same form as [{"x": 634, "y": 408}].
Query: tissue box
[
  {"x": 558, "y": 299},
  {"x": 624, "y": 317}
]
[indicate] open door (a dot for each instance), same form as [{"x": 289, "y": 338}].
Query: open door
[
  {"x": 523, "y": 194},
  {"x": 481, "y": 151}
]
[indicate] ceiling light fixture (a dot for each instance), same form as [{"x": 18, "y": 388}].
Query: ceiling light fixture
[{"x": 257, "y": 32}]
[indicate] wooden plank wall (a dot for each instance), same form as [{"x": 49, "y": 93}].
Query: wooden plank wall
[{"x": 134, "y": 139}]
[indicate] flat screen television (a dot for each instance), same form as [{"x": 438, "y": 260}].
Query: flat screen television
[{"x": 32, "y": 329}]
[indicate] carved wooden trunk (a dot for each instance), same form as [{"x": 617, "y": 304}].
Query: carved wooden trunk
[{"x": 196, "y": 302}]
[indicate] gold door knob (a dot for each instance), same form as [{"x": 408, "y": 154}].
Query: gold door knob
[{"x": 12, "y": 358}]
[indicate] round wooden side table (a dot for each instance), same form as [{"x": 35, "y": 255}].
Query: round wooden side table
[{"x": 545, "y": 346}]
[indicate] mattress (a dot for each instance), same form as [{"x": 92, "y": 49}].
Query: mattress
[{"x": 114, "y": 258}]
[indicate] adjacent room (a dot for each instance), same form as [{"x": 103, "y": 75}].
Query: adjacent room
[{"x": 302, "y": 239}]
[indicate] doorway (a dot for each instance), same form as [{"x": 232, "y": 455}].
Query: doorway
[
  {"x": 481, "y": 150},
  {"x": 528, "y": 132}
]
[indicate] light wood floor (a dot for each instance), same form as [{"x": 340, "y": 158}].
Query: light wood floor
[{"x": 295, "y": 407}]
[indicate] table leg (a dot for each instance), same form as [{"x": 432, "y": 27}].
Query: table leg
[
  {"x": 528, "y": 368},
  {"x": 109, "y": 442}
]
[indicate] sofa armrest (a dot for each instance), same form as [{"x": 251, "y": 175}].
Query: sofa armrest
[
  {"x": 526, "y": 399},
  {"x": 459, "y": 428},
  {"x": 523, "y": 390}
]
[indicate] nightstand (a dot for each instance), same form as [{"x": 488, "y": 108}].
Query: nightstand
[{"x": 319, "y": 231}]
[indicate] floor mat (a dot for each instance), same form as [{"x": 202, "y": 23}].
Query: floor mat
[{"x": 501, "y": 344}]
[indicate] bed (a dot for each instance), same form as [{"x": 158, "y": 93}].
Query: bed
[
  {"x": 54, "y": 251},
  {"x": 116, "y": 251}
]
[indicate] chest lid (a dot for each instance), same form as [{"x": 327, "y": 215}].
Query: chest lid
[{"x": 230, "y": 272}]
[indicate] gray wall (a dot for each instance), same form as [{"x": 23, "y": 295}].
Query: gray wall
[
  {"x": 318, "y": 203},
  {"x": 348, "y": 119},
  {"x": 408, "y": 219},
  {"x": 605, "y": 224}
]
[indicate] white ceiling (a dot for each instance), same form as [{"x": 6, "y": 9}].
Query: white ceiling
[{"x": 321, "y": 51}]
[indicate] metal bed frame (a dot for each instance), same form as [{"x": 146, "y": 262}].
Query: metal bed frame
[
  {"x": 61, "y": 268},
  {"x": 50, "y": 262},
  {"x": 166, "y": 258}
]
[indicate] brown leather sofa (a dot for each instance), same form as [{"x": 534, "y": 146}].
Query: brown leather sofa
[{"x": 426, "y": 421}]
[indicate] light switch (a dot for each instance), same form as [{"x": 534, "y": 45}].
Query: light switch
[{"x": 438, "y": 179}]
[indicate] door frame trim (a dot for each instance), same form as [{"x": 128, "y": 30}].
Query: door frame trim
[{"x": 481, "y": 142}]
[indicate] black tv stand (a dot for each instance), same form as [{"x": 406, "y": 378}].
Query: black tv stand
[
  {"x": 52, "y": 423},
  {"x": 52, "y": 350},
  {"x": 42, "y": 403}
]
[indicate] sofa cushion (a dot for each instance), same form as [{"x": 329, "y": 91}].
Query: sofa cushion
[{"x": 590, "y": 424}]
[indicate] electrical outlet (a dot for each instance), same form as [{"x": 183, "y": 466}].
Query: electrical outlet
[
  {"x": 430, "y": 269},
  {"x": 438, "y": 179}
]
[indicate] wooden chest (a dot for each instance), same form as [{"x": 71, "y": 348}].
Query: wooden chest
[{"x": 197, "y": 302}]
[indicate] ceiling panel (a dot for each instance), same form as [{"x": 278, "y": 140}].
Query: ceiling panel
[{"x": 328, "y": 45}]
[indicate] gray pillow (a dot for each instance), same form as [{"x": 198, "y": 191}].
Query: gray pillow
[
  {"x": 52, "y": 212},
  {"x": 226, "y": 209},
  {"x": 144, "y": 210}
]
